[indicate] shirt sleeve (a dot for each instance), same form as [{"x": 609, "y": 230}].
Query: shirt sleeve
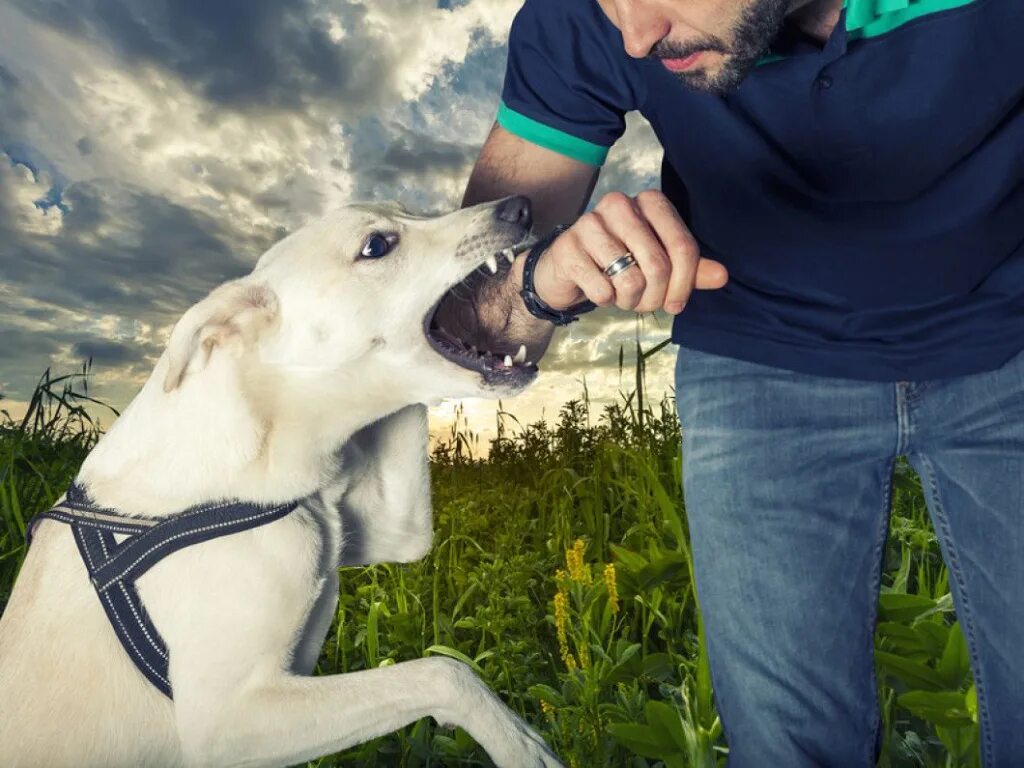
[{"x": 566, "y": 88}]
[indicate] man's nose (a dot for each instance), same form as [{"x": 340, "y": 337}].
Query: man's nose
[{"x": 642, "y": 24}]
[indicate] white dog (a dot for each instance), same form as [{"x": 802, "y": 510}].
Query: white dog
[{"x": 296, "y": 394}]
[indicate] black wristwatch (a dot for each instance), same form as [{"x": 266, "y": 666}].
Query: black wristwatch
[{"x": 533, "y": 302}]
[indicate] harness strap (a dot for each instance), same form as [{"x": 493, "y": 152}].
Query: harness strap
[{"x": 115, "y": 566}]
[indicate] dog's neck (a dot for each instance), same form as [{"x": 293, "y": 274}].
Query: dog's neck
[{"x": 207, "y": 441}]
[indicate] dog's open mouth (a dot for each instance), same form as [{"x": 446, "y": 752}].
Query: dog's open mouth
[{"x": 469, "y": 328}]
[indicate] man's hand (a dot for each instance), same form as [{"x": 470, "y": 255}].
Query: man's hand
[{"x": 668, "y": 262}]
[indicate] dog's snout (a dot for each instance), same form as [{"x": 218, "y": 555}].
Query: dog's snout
[{"x": 515, "y": 210}]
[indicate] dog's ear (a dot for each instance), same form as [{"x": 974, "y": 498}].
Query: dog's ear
[
  {"x": 385, "y": 509},
  {"x": 235, "y": 311}
]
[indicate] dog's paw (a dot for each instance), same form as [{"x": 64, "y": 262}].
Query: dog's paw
[
  {"x": 522, "y": 747},
  {"x": 538, "y": 753}
]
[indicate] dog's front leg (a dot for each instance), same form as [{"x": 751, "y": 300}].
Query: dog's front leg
[{"x": 293, "y": 719}]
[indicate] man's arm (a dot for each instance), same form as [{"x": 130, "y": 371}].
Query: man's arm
[
  {"x": 668, "y": 262},
  {"x": 559, "y": 188}
]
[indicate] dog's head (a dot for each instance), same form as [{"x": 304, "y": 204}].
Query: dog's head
[
  {"x": 357, "y": 293},
  {"x": 366, "y": 284}
]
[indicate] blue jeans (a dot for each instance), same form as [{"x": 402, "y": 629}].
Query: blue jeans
[{"x": 787, "y": 480}]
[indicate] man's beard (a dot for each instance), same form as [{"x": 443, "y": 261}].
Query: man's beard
[{"x": 752, "y": 35}]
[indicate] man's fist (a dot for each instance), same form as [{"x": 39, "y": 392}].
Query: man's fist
[{"x": 668, "y": 263}]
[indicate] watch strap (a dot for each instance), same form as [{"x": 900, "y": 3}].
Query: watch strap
[{"x": 534, "y": 304}]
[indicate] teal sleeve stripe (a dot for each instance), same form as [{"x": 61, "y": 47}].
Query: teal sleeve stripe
[
  {"x": 551, "y": 138},
  {"x": 871, "y": 18}
]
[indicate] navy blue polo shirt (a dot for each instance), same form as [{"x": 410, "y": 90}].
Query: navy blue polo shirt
[{"x": 867, "y": 196}]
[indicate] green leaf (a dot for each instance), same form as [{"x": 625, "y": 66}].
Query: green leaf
[
  {"x": 666, "y": 722},
  {"x": 934, "y": 635},
  {"x": 640, "y": 739},
  {"x": 658, "y": 666},
  {"x": 543, "y": 692},
  {"x": 632, "y": 561},
  {"x": 955, "y": 665},
  {"x": 661, "y": 570},
  {"x": 912, "y": 673},
  {"x": 444, "y": 650},
  {"x": 894, "y": 636},
  {"x": 372, "y": 635},
  {"x": 971, "y": 702},
  {"x": 898, "y": 607},
  {"x": 945, "y": 708}
]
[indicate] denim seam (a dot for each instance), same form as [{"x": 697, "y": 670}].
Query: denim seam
[
  {"x": 876, "y": 582},
  {"x": 954, "y": 566}
]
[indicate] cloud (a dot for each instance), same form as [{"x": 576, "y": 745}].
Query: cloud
[
  {"x": 256, "y": 54},
  {"x": 114, "y": 247},
  {"x": 106, "y": 352},
  {"x": 150, "y": 150}
]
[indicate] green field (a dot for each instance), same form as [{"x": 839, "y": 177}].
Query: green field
[{"x": 561, "y": 573}]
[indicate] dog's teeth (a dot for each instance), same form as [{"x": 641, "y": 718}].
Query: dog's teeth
[
  {"x": 521, "y": 354},
  {"x": 508, "y": 361},
  {"x": 509, "y": 254},
  {"x": 528, "y": 363},
  {"x": 492, "y": 264}
]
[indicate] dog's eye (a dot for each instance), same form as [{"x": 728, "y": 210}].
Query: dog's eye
[{"x": 377, "y": 245}]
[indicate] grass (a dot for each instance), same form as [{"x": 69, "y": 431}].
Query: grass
[{"x": 561, "y": 573}]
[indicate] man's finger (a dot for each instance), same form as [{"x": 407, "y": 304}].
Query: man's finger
[
  {"x": 604, "y": 247},
  {"x": 646, "y": 286},
  {"x": 680, "y": 246}
]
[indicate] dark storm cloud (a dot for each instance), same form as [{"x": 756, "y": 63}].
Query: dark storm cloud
[
  {"x": 418, "y": 154},
  {"x": 19, "y": 344},
  {"x": 121, "y": 250},
  {"x": 13, "y": 110},
  {"x": 25, "y": 354},
  {"x": 238, "y": 53},
  {"x": 107, "y": 352}
]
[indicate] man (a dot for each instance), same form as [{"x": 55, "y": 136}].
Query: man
[{"x": 858, "y": 169}]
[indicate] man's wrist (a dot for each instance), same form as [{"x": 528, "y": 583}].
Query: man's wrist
[{"x": 535, "y": 305}]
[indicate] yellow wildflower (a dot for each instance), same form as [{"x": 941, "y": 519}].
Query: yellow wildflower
[
  {"x": 584, "y": 654},
  {"x": 613, "y": 590},
  {"x": 562, "y": 627},
  {"x": 548, "y": 709},
  {"x": 578, "y": 570}
]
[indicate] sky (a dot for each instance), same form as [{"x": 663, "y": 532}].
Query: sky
[{"x": 150, "y": 150}]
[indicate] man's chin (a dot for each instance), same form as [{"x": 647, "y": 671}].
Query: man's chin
[{"x": 716, "y": 73}]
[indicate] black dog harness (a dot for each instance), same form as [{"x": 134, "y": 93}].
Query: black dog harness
[{"x": 115, "y": 563}]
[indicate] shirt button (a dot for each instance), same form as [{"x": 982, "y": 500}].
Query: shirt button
[{"x": 825, "y": 82}]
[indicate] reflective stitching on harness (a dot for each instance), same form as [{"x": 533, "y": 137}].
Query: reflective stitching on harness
[
  {"x": 105, "y": 526},
  {"x": 124, "y": 636},
  {"x": 83, "y": 547},
  {"x": 177, "y": 536},
  {"x": 158, "y": 647},
  {"x": 94, "y": 527}
]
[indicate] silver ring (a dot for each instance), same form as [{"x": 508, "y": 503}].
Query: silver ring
[{"x": 621, "y": 264}]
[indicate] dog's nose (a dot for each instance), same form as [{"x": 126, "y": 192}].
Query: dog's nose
[{"x": 515, "y": 210}]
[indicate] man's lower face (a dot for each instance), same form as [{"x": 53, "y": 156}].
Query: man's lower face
[{"x": 721, "y": 66}]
